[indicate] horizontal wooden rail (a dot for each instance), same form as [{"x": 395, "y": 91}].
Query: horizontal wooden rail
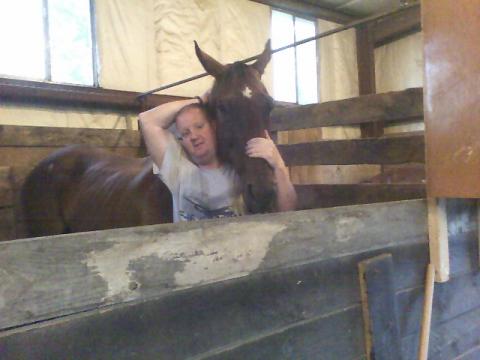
[
  {"x": 329, "y": 195},
  {"x": 389, "y": 107},
  {"x": 29, "y": 136},
  {"x": 385, "y": 150},
  {"x": 24, "y": 91}
]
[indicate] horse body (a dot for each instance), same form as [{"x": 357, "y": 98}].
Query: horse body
[{"x": 80, "y": 188}]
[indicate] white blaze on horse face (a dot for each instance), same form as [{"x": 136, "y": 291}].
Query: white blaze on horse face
[{"x": 247, "y": 92}]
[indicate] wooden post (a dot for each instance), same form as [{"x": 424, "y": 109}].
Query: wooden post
[
  {"x": 366, "y": 74},
  {"x": 427, "y": 314},
  {"x": 438, "y": 238},
  {"x": 382, "y": 336}
]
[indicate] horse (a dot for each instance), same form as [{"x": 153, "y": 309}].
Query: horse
[{"x": 82, "y": 188}]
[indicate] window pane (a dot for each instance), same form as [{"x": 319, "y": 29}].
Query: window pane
[
  {"x": 22, "y": 39},
  {"x": 283, "y": 61},
  {"x": 306, "y": 62},
  {"x": 70, "y": 41}
]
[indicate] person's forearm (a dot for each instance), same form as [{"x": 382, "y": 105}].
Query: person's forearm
[
  {"x": 163, "y": 115},
  {"x": 286, "y": 194}
]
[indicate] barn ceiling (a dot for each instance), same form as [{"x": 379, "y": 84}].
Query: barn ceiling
[
  {"x": 341, "y": 11},
  {"x": 356, "y": 8}
]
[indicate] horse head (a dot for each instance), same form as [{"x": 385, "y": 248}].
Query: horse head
[{"x": 240, "y": 106}]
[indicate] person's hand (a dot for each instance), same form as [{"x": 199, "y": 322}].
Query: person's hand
[{"x": 265, "y": 148}]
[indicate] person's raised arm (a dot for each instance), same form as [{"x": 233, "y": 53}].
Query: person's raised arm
[
  {"x": 266, "y": 149},
  {"x": 154, "y": 125}
]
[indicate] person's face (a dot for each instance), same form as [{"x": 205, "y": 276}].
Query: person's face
[{"x": 197, "y": 136}]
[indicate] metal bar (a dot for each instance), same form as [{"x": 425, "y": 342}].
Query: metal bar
[
  {"x": 93, "y": 30},
  {"x": 316, "y": 37},
  {"x": 46, "y": 33}
]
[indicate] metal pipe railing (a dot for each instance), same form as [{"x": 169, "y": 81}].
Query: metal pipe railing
[{"x": 353, "y": 24}]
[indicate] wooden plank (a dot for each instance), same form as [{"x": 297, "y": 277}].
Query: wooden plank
[
  {"x": 391, "y": 150},
  {"x": 438, "y": 238},
  {"x": 450, "y": 31},
  {"x": 450, "y": 339},
  {"x": 379, "y": 308},
  {"x": 329, "y": 195},
  {"x": 241, "y": 316},
  {"x": 55, "y": 136},
  {"x": 396, "y": 26},
  {"x": 389, "y": 107},
  {"x": 23, "y": 159},
  {"x": 305, "y": 8},
  {"x": 366, "y": 74},
  {"x": 88, "y": 270},
  {"x": 34, "y": 92}
]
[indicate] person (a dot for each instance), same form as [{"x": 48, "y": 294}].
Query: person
[{"x": 201, "y": 186}]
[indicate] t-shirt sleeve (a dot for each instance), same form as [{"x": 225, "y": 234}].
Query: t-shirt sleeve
[{"x": 173, "y": 159}]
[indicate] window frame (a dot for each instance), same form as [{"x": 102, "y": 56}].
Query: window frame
[
  {"x": 48, "y": 65},
  {"x": 317, "y": 53}
]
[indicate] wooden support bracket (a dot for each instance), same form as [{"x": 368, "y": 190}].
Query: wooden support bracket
[
  {"x": 380, "y": 314},
  {"x": 438, "y": 238}
]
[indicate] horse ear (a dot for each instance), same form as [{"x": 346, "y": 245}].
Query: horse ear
[
  {"x": 211, "y": 66},
  {"x": 263, "y": 59}
]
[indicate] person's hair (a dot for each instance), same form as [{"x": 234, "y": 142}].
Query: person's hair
[
  {"x": 188, "y": 107},
  {"x": 199, "y": 106}
]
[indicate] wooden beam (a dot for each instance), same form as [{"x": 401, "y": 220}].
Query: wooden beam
[
  {"x": 39, "y": 136},
  {"x": 366, "y": 74},
  {"x": 438, "y": 238},
  {"x": 306, "y": 9},
  {"x": 391, "y": 150},
  {"x": 395, "y": 106},
  {"x": 379, "y": 307},
  {"x": 396, "y": 26},
  {"x": 89, "y": 270},
  {"x": 329, "y": 195},
  {"x": 33, "y": 92}
]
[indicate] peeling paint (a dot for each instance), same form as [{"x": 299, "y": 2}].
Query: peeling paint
[
  {"x": 205, "y": 255},
  {"x": 346, "y": 227}
]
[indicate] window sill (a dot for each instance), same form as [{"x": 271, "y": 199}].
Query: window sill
[{"x": 33, "y": 92}]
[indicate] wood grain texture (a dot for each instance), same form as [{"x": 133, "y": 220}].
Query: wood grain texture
[
  {"x": 391, "y": 150},
  {"x": 299, "y": 311},
  {"x": 84, "y": 271},
  {"x": 379, "y": 308},
  {"x": 34, "y": 92},
  {"x": 452, "y": 70},
  {"x": 388, "y": 107},
  {"x": 396, "y": 26},
  {"x": 294, "y": 312},
  {"x": 55, "y": 137},
  {"x": 438, "y": 238},
  {"x": 322, "y": 196}
]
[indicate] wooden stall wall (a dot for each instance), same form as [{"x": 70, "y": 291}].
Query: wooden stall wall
[{"x": 254, "y": 287}]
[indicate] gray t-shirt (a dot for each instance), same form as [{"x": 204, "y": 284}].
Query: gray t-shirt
[{"x": 199, "y": 193}]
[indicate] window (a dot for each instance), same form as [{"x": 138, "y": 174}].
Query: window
[
  {"x": 294, "y": 69},
  {"x": 49, "y": 40}
]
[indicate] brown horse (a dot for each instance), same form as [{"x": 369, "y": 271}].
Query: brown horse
[{"x": 80, "y": 188}]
